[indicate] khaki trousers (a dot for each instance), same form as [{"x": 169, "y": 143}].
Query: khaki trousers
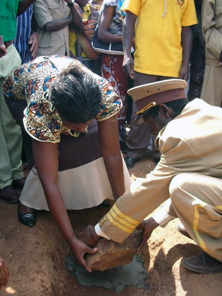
[
  {"x": 212, "y": 86},
  {"x": 10, "y": 132},
  {"x": 197, "y": 200},
  {"x": 139, "y": 136}
]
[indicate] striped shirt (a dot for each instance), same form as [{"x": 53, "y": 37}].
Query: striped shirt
[{"x": 23, "y": 34}]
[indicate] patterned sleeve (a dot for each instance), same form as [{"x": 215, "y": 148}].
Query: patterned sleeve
[
  {"x": 42, "y": 122},
  {"x": 111, "y": 103},
  {"x": 31, "y": 82}
]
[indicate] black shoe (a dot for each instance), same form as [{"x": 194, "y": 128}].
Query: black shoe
[
  {"x": 19, "y": 183},
  {"x": 156, "y": 159},
  {"x": 130, "y": 161},
  {"x": 203, "y": 263},
  {"x": 28, "y": 219},
  {"x": 9, "y": 195}
]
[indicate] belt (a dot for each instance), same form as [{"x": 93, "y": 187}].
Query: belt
[{"x": 8, "y": 43}]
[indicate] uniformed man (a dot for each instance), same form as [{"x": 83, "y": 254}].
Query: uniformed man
[{"x": 189, "y": 137}]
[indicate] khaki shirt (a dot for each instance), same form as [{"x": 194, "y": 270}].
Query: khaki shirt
[
  {"x": 56, "y": 42},
  {"x": 191, "y": 142},
  {"x": 212, "y": 30}
]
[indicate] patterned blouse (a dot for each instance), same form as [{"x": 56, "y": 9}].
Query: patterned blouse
[{"x": 32, "y": 82}]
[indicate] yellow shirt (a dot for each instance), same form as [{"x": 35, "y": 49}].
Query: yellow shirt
[{"x": 158, "y": 48}]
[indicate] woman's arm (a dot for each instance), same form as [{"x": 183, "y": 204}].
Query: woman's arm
[
  {"x": 103, "y": 34},
  {"x": 46, "y": 162},
  {"x": 109, "y": 142}
]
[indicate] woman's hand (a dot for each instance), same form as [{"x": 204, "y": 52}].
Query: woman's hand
[
  {"x": 79, "y": 249},
  {"x": 4, "y": 274}
]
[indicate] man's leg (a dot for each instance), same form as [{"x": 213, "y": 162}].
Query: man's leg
[
  {"x": 212, "y": 88},
  {"x": 10, "y": 135},
  {"x": 139, "y": 135},
  {"x": 197, "y": 200}
]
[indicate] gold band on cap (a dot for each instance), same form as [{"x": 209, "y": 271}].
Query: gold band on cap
[{"x": 147, "y": 107}]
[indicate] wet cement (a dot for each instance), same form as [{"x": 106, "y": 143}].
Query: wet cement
[{"x": 130, "y": 275}]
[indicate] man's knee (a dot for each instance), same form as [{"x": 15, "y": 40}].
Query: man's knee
[{"x": 178, "y": 184}]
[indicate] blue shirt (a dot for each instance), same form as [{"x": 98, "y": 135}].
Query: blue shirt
[{"x": 23, "y": 34}]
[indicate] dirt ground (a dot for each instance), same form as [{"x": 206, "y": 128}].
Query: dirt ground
[{"x": 36, "y": 257}]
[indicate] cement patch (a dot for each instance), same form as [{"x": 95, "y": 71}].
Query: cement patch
[{"x": 131, "y": 275}]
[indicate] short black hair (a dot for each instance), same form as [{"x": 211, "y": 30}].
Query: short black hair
[
  {"x": 177, "y": 106},
  {"x": 76, "y": 95}
]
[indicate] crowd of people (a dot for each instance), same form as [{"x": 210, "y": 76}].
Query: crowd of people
[{"x": 67, "y": 110}]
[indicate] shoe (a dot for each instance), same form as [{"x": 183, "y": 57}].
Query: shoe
[
  {"x": 149, "y": 153},
  {"x": 130, "y": 161},
  {"x": 19, "y": 183},
  {"x": 28, "y": 219},
  {"x": 182, "y": 230},
  {"x": 156, "y": 159},
  {"x": 203, "y": 263},
  {"x": 9, "y": 195}
]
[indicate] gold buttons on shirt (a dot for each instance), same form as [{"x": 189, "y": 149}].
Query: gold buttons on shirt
[{"x": 102, "y": 221}]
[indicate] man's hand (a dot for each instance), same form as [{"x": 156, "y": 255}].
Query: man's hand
[
  {"x": 79, "y": 249},
  {"x": 128, "y": 65},
  {"x": 184, "y": 72},
  {"x": 4, "y": 274},
  {"x": 3, "y": 50},
  {"x": 34, "y": 44},
  {"x": 88, "y": 236},
  {"x": 147, "y": 226}
]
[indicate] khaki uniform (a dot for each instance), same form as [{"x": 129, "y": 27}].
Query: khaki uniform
[
  {"x": 10, "y": 132},
  {"x": 212, "y": 33},
  {"x": 55, "y": 42},
  {"x": 190, "y": 172}
]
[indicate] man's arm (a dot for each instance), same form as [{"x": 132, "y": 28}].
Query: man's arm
[
  {"x": 91, "y": 234},
  {"x": 24, "y": 5},
  {"x": 128, "y": 34},
  {"x": 76, "y": 17},
  {"x": 212, "y": 37},
  {"x": 186, "y": 43},
  {"x": 56, "y": 25},
  {"x": 45, "y": 20}
]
